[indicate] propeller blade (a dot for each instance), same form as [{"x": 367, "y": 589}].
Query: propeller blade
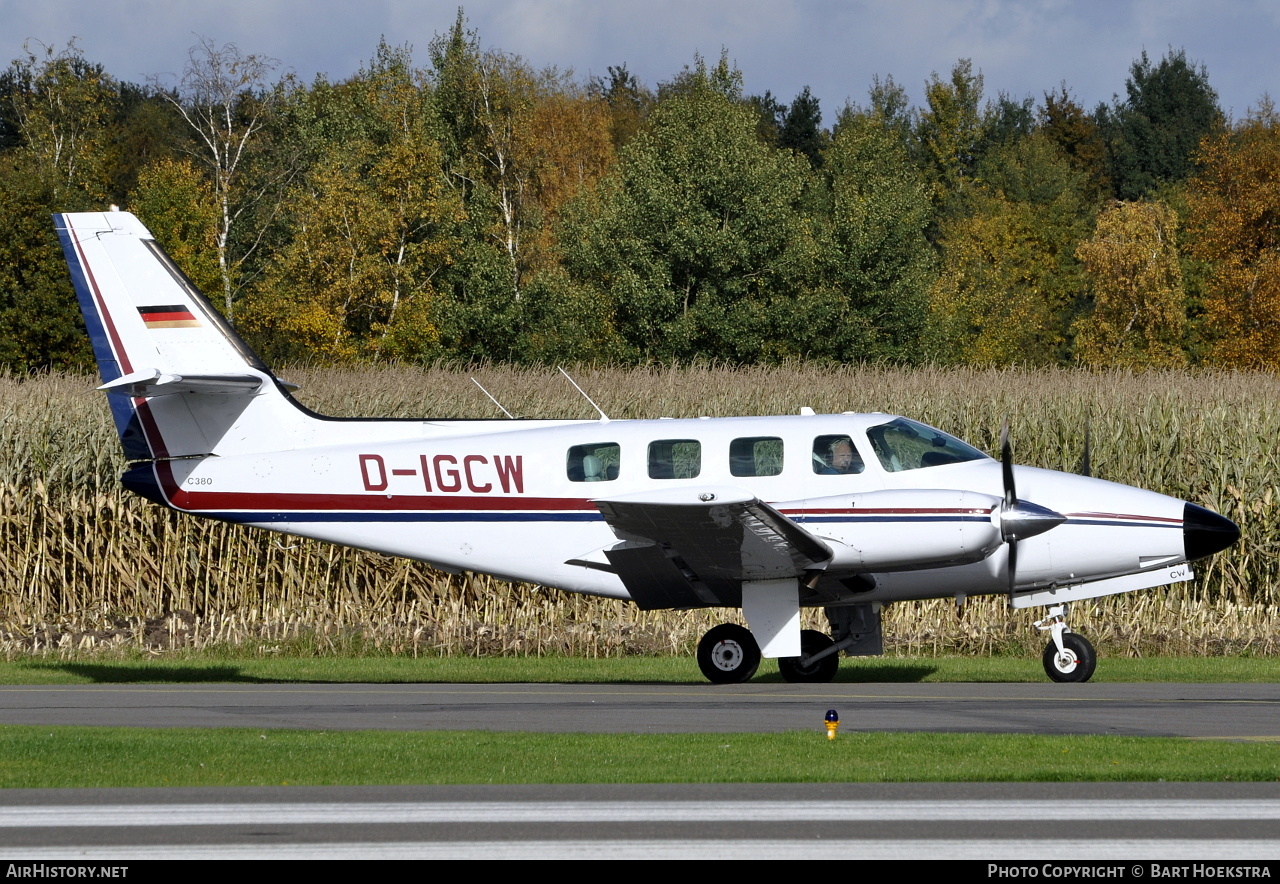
[
  {"x": 1010, "y": 501},
  {"x": 1086, "y": 462},
  {"x": 1006, "y": 465},
  {"x": 1019, "y": 519}
]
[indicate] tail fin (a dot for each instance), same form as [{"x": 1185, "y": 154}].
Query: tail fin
[{"x": 180, "y": 381}]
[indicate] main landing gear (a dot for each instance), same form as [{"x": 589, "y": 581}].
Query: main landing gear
[
  {"x": 819, "y": 671},
  {"x": 1069, "y": 657},
  {"x": 728, "y": 654}
]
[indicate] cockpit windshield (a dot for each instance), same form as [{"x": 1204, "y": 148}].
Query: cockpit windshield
[{"x": 903, "y": 444}]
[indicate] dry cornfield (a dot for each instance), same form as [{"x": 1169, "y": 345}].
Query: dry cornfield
[{"x": 90, "y": 569}]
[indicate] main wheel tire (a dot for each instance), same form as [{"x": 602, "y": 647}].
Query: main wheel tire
[
  {"x": 1077, "y": 661},
  {"x": 728, "y": 654},
  {"x": 811, "y": 642}
]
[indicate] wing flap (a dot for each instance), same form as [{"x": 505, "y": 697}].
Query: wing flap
[{"x": 709, "y": 541}]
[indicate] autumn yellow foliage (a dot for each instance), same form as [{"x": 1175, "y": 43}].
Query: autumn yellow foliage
[
  {"x": 1132, "y": 264},
  {"x": 1235, "y": 216}
]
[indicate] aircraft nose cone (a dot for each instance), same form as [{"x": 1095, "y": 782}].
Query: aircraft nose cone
[{"x": 1204, "y": 532}]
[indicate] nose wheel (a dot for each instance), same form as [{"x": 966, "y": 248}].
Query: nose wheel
[
  {"x": 1069, "y": 657},
  {"x": 728, "y": 654},
  {"x": 1075, "y": 662}
]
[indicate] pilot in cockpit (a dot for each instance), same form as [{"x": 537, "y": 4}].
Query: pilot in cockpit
[{"x": 842, "y": 458}]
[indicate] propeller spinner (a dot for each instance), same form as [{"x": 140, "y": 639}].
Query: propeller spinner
[{"x": 1019, "y": 519}]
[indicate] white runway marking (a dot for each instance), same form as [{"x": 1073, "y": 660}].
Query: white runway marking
[
  {"x": 1077, "y": 850},
  {"x": 390, "y": 812}
]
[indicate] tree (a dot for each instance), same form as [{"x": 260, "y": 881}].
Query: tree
[
  {"x": 181, "y": 210},
  {"x": 890, "y": 105},
  {"x": 1234, "y": 228},
  {"x": 1064, "y": 122},
  {"x": 225, "y": 99},
  {"x": 1169, "y": 107},
  {"x": 56, "y": 112},
  {"x": 40, "y": 326},
  {"x": 1139, "y": 312},
  {"x": 801, "y": 129},
  {"x": 950, "y": 130},
  {"x": 878, "y": 256},
  {"x": 1010, "y": 283},
  {"x": 696, "y": 237},
  {"x": 371, "y": 226},
  {"x": 770, "y": 115},
  {"x": 628, "y": 100},
  {"x": 566, "y": 147},
  {"x": 58, "y": 109}
]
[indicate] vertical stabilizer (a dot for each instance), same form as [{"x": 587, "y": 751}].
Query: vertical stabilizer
[{"x": 180, "y": 381}]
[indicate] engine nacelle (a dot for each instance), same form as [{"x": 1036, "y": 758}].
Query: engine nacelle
[{"x": 905, "y": 530}]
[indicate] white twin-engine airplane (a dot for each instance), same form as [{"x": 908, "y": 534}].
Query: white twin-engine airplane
[{"x": 771, "y": 514}]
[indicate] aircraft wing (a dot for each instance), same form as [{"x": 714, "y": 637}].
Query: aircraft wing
[{"x": 694, "y": 547}]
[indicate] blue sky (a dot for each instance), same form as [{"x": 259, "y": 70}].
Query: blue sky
[{"x": 834, "y": 47}]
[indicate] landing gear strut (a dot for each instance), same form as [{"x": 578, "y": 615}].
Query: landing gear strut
[
  {"x": 1069, "y": 657},
  {"x": 818, "y": 671}
]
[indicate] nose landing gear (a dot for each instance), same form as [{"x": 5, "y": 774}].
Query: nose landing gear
[{"x": 1069, "y": 657}]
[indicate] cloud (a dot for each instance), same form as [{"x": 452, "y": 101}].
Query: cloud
[{"x": 833, "y": 46}]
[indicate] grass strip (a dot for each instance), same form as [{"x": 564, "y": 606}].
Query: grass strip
[
  {"x": 205, "y": 667},
  {"x": 61, "y": 757}
]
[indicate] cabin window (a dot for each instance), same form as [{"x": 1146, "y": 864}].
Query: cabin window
[
  {"x": 675, "y": 459},
  {"x": 836, "y": 455},
  {"x": 593, "y": 463},
  {"x": 906, "y": 445},
  {"x": 755, "y": 456}
]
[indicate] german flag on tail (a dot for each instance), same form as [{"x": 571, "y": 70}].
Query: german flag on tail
[{"x": 168, "y": 316}]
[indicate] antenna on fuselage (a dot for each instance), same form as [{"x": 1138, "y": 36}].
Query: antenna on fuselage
[
  {"x": 491, "y": 399},
  {"x": 603, "y": 416}
]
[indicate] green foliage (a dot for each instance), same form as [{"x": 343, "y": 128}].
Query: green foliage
[
  {"x": 950, "y": 131},
  {"x": 176, "y": 203},
  {"x": 1010, "y": 282},
  {"x": 878, "y": 256},
  {"x": 40, "y": 325},
  {"x": 1151, "y": 136},
  {"x": 697, "y": 235},
  {"x": 801, "y": 129},
  {"x": 566, "y": 323},
  {"x": 56, "y": 110}
]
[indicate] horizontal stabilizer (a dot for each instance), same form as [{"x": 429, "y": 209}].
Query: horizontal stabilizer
[{"x": 153, "y": 382}]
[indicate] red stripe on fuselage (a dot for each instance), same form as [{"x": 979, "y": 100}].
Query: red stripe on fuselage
[
  {"x": 220, "y": 501},
  {"x": 1128, "y": 516},
  {"x": 886, "y": 511}
]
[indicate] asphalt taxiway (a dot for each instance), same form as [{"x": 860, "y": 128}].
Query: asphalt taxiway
[
  {"x": 1060, "y": 822},
  {"x": 1208, "y": 711}
]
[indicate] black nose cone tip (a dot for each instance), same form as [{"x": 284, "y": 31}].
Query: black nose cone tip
[{"x": 1204, "y": 532}]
